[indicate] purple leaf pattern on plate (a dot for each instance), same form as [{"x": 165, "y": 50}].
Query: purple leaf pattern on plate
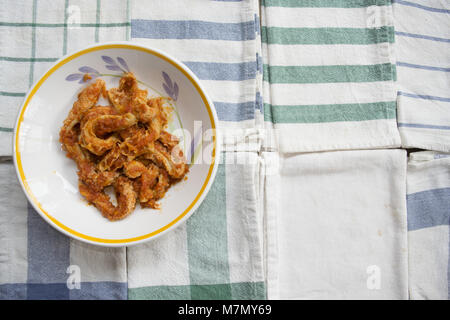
[
  {"x": 113, "y": 68},
  {"x": 111, "y": 64},
  {"x": 166, "y": 89},
  {"x": 123, "y": 63},
  {"x": 74, "y": 77},
  {"x": 108, "y": 60},
  {"x": 167, "y": 79},
  {"x": 171, "y": 87},
  {"x": 175, "y": 91},
  {"x": 86, "y": 69}
]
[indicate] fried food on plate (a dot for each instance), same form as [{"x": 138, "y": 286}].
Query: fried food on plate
[{"x": 124, "y": 146}]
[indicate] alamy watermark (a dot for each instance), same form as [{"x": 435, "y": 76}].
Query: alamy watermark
[
  {"x": 74, "y": 278},
  {"x": 73, "y": 17},
  {"x": 374, "y": 277}
]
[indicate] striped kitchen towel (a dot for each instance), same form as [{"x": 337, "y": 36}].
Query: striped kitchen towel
[
  {"x": 428, "y": 203},
  {"x": 217, "y": 253},
  {"x": 336, "y": 225},
  {"x": 38, "y": 262},
  {"x": 423, "y": 65},
  {"x": 329, "y": 74},
  {"x": 34, "y": 34},
  {"x": 219, "y": 41}
]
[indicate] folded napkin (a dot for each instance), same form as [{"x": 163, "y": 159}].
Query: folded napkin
[
  {"x": 428, "y": 202},
  {"x": 38, "y": 262},
  {"x": 34, "y": 34},
  {"x": 218, "y": 253},
  {"x": 329, "y": 75},
  {"x": 220, "y": 42},
  {"x": 422, "y": 32},
  {"x": 336, "y": 225}
]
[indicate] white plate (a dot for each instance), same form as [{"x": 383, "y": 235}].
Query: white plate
[{"x": 49, "y": 178}]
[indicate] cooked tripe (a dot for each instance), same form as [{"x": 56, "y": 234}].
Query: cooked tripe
[{"x": 123, "y": 145}]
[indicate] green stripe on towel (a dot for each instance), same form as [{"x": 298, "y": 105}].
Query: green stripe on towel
[
  {"x": 329, "y": 74},
  {"x": 33, "y": 45},
  {"x": 66, "y": 16},
  {"x": 283, "y": 35},
  {"x": 160, "y": 293},
  {"x": 241, "y": 290},
  {"x": 12, "y": 94},
  {"x": 17, "y": 59},
  {"x": 207, "y": 232},
  {"x": 332, "y": 112},
  {"x": 97, "y": 21}
]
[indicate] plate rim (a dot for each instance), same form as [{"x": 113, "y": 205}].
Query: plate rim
[{"x": 216, "y": 151}]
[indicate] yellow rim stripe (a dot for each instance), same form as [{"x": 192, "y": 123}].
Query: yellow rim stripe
[{"x": 42, "y": 80}]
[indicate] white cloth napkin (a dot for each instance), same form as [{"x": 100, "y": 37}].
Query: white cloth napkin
[
  {"x": 336, "y": 225},
  {"x": 218, "y": 253},
  {"x": 34, "y": 34},
  {"x": 429, "y": 225},
  {"x": 423, "y": 65}
]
